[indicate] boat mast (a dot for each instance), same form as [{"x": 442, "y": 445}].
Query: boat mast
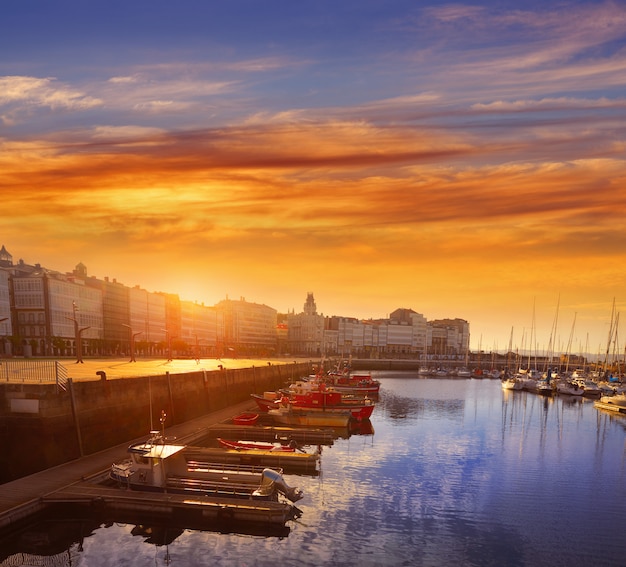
[
  {"x": 569, "y": 344},
  {"x": 608, "y": 342}
]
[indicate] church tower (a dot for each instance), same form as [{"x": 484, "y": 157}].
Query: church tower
[
  {"x": 309, "y": 307},
  {"x": 6, "y": 260}
]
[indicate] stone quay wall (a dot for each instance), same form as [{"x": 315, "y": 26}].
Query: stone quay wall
[{"x": 42, "y": 426}]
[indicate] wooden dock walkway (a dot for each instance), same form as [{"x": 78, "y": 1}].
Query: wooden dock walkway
[{"x": 25, "y": 496}]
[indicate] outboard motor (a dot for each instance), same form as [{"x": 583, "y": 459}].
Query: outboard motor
[{"x": 272, "y": 481}]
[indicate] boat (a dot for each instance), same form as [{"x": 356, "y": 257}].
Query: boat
[
  {"x": 344, "y": 380},
  {"x": 616, "y": 403},
  {"x": 157, "y": 466},
  {"x": 246, "y": 418},
  {"x": 309, "y": 396},
  {"x": 512, "y": 383},
  {"x": 590, "y": 388},
  {"x": 257, "y": 445},
  {"x": 288, "y": 461},
  {"x": 529, "y": 378},
  {"x": 569, "y": 388},
  {"x": 268, "y": 401},
  {"x": 545, "y": 387},
  {"x": 478, "y": 373},
  {"x": 285, "y": 415}
]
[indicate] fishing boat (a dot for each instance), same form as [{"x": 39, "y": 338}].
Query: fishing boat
[
  {"x": 342, "y": 379},
  {"x": 312, "y": 397},
  {"x": 157, "y": 466},
  {"x": 350, "y": 383},
  {"x": 257, "y": 445},
  {"x": 309, "y": 396}
]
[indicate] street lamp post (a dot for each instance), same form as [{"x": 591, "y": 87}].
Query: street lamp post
[
  {"x": 197, "y": 350},
  {"x": 169, "y": 344},
  {"x": 77, "y": 334},
  {"x": 132, "y": 341}
]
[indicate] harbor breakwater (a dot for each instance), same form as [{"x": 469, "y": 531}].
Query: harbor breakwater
[{"x": 42, "y": 426}]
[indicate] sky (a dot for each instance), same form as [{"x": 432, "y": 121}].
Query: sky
[{"x": 461, "y": 159}]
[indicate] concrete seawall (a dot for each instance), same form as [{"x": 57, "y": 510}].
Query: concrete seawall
[{"x": 42, "y": 426}]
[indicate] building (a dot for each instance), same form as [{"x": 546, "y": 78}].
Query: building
[
  {"x": 6, "y": 325},
  {"x": 44, "y": 312},
  {"x": 450, "y": 337},
  {"x": 250, "y": 329},
  {"x": 305, "y": 331}
]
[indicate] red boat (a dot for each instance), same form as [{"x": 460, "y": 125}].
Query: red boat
[
  {"x": 246, "y": 418},
  {"x": 258, "y": 445},
  {"x": 266, "y": 403},
  {"x": 317, "y": 397},
  {"x": 352, "y": 383},
  {"x": 310, "y": 396}
]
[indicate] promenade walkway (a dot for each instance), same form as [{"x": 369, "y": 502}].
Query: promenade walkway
[
  {"x": 20, "y": 498},
  {"x": 116, "y": 368}
]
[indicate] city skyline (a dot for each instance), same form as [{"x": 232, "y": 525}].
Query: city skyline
[{"x": 461, "y": 160}]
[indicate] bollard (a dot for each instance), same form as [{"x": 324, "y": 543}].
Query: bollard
[{"x": 102, "y": 374}]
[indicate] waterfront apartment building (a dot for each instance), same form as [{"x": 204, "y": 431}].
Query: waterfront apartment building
[
  {"x": 405, "y": 333},
  {"x": 199, "y": 328},
  {"x": 48, "y": 312},
  {"x": 52, "y": 313},
  {"x": 250, "y": 329},
  {"x": 450, "y": 337}
]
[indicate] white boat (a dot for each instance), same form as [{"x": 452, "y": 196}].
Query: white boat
[
  {"x": 545, "y": 387},
  {"x": 530, "y": 379},
  {"x": 590, "y": 387},
  {"x": 157, "y": 466},
  {"x": 569, "y": 388},
  {"x": 512, "y": 383},
  {"x": 616, "y": 403}
]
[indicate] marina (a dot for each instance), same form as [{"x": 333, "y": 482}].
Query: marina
[{"x": 458, "y": 471}]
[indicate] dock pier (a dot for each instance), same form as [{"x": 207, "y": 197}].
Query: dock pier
[{"x": 24, "y": 497}]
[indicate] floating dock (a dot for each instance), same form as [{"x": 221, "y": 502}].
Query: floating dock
[
  {"x": 616, "y": 408},
  {"x": 296, "y": 462},
  {"x": 269, "y": 433},
  {"x": 162, "y": 506}
]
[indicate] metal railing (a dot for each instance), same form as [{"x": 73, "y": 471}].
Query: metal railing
[{"x": 34, "y": 372}]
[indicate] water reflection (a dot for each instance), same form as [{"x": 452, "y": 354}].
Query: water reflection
[
  {"x": 456, "y": 472},
  {"x": 62, "y": 534}
]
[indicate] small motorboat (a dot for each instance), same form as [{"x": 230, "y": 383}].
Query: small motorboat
[
  {"x": 246, "y": 418},
  {"x": 155, "y": 465},
  {"x": 258, "y": 445}
]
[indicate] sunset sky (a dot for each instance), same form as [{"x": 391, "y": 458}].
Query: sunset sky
[{"x": 462, "y": 160}]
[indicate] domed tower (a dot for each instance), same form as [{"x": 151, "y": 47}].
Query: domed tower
[
  {"x": 80, "y": 270},
  {"x": 309, "y": 307}
]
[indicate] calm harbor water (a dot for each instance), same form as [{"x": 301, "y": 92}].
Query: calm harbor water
[{"x": 457, "y": 472}]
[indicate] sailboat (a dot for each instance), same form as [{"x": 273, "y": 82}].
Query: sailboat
[{"x": 566, "y": 385}]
